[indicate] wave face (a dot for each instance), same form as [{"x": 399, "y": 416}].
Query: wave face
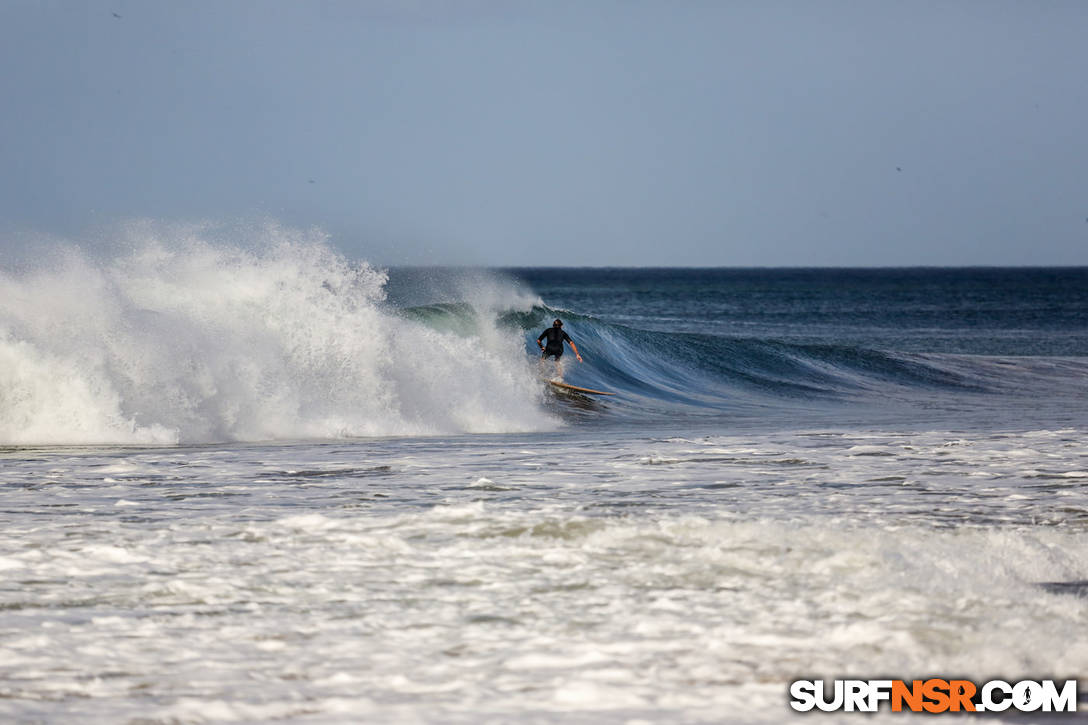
[
  {"x": 678, "y": 373},
  {"x": 186, "y": 339},
  {"x": 674, "y": 365},
  {"x": 893, "y": 345}
]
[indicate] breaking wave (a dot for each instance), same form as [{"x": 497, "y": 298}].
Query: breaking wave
[{"x": 186, "y": 338}]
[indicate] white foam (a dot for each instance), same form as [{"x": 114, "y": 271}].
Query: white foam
[
  {"x": 413, "y": 597},
  {"x": 186, "y": 339},
  {"x": 7, "y": 564}
]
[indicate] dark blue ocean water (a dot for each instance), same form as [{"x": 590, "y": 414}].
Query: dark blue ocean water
[{"x": 974, "y": 311}]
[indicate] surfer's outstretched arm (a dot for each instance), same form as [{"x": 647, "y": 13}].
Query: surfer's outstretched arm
[{"x": 575, "y": 348}]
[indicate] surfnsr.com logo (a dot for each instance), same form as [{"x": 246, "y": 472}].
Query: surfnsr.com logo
[{"x": 934, "y": 695}]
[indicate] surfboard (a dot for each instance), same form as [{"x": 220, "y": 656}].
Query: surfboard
[{"x": 576, "y": 389}]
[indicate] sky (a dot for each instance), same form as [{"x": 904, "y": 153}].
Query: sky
[{"x": 581, "y": 133}]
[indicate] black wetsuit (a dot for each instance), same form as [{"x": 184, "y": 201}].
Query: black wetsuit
[{"x": 554, "y": 346}]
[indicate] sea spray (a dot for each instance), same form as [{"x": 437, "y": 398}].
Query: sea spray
[{"x": 185, "y": 338}]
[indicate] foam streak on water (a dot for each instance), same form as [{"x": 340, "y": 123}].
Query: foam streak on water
[{"x": 472, "y": 580}]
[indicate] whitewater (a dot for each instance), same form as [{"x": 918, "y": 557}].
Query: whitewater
[
  {"x": 186, "y": 342},
  {"x": 256, "y": 480}
]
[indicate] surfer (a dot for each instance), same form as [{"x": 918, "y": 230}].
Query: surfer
[{"x": 554, "y": 348}]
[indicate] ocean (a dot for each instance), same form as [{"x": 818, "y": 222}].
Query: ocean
[{"x": 277, "y": 484}]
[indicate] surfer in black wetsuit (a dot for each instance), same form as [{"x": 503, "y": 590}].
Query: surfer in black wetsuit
[{"x": 554, "y": 348}]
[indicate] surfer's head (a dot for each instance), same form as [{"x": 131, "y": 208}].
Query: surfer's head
[{"x": 557, "y": 323}]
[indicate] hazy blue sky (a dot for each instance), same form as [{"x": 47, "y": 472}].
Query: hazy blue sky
[{"x": 579, "y": 133}]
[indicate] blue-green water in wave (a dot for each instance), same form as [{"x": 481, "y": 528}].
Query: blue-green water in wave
[{"x": 758, "y": 341}]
